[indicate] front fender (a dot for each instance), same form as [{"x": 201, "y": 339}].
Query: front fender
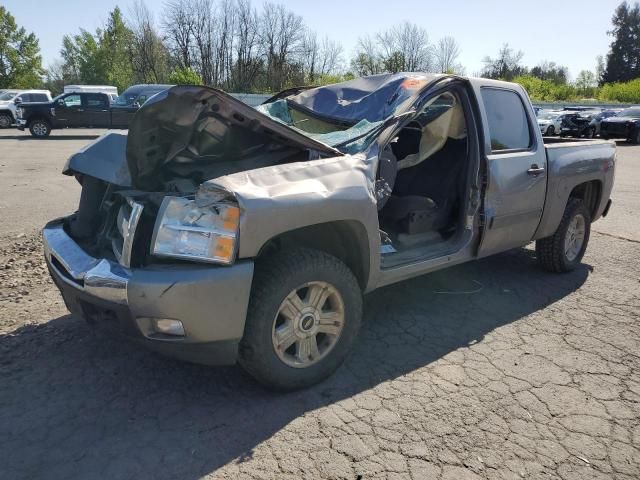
[{"x": 279, "y": 199}]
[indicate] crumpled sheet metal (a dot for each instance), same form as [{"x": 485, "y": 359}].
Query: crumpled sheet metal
[
  {"x": 104, "y": 158},
  {"x": 373, "y": 98},
  {"x": 278, "y": 199}
]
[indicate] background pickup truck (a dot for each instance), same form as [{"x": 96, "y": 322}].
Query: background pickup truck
[
  {"x": 219, "y": 233},
  {"x": 76, "y": 110}
]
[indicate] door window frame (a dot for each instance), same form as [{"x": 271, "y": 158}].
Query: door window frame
[{"x": 533, "y": 145}]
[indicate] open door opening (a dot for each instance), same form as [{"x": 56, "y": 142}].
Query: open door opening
[{"x": 423, "y": 183}]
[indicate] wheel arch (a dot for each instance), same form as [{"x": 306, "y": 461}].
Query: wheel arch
[
  {"x": 346, "y": 240},
  {"x": 590, "y": 191}
]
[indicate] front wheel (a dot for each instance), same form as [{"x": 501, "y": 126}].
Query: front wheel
[
  {"x": 304, "y": 314},
  {"x": 550, "y": 130},
  {"x": 5, "y": 120},
  {"x": 590, "y": 133},
  {"x": 40, "y": 128},
  {"x": 563, "y": 251}
]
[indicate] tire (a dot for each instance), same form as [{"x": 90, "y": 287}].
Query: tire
[
  {"x": 590, "y": 133},
  {"x": 275, "y": 281},
  {"x": 550, "y": 130},
  {"x": 552, "y": 251},
  {"x": 6, "y": 120},
  {"x": 40, "y": 128},
  {"x": 635, "y": 139}
]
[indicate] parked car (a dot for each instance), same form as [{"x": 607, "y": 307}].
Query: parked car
[
  {"x": 10, "y": 99},
  {"x": 577, "y": 124},
  {"x": 136, "y": 95},
  {"x": 111, "y": 91},
  {"x": 217, "y": 232},
  {"x": 625, "y": 124},
  {"x": 596, "y": 120},
  {"x": 73, "y": 110},
  {"x": 549, "y": 122}
]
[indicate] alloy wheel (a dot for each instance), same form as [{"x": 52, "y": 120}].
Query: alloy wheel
[{"x": 308, "y": 324}]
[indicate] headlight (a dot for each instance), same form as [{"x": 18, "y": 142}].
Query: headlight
[
  {"x": 206, "y": 234},
  {"x": 19, "y": 112}
]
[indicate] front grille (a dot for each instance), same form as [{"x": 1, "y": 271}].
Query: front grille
[{"x": 123, "y": 232}]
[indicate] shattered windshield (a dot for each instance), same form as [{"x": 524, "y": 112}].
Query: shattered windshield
[
  {"x": 348, "y": 140},
  {"x": 347, "y": 116}
]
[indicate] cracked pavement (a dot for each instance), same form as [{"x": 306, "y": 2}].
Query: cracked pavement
[{"x": 531, "y": 375}]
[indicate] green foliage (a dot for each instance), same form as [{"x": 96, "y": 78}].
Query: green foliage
[
  {"x": 20, "y": 60},
  {"x": 114, "y": 51},
  {"x": 546, "y": 90},
  {"x": 625, "y": 92},
  {"x": 185, "y": 76}
]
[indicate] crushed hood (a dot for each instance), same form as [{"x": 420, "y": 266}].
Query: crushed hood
[{"x": 188, "y": 125}]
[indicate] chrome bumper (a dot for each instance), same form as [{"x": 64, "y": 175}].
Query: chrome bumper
[{"x": 100, "y": 278}]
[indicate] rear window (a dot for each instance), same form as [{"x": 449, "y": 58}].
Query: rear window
[
  {"x": 95, "y": 100},
  {"x": 507, "y": 118}
]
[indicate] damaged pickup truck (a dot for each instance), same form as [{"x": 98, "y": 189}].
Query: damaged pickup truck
[{"x": 219, "y": 233}]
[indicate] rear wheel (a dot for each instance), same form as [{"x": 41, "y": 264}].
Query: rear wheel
[
  {"x": 563, "y": 251},
  {"x": 304, "y": 314},
  {"x": 40, "y": 128},
  {"x": 5, "y": 120}
]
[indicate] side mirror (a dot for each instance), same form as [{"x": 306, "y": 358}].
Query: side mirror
[
  {"x": 60, "y": 101},
  {"x": 17, "y": 100},
  {"x": 135, "y": 105}
]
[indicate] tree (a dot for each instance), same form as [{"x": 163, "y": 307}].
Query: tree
[
  {"x": 185, "y": 76},
  {"x": 402, "y": 48},
  {"x": 623, "y": 59},
  {"x": 405, "y": 48},
  {"x": 367, "y": 60},
  {"x": 114, "y": 52},
  {"x": 149, "y": 55},
  {"x": 547, "y": 70},
  {"x": 20, "y": 60},
  {"x": 446, "y": 56},
  {"x": 600, "y": 69},
  {"x": 586, "y": 82},
  {"x": 82, "y": 59},
  {"x": 505, "y": 66}
]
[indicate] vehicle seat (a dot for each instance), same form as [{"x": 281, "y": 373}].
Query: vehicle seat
[{"x": 427, "y": 196}]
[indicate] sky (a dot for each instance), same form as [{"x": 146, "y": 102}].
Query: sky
[{"x": 570, "y": 33}]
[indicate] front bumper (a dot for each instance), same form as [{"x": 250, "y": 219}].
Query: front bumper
[{"x": 210, "y": 301}]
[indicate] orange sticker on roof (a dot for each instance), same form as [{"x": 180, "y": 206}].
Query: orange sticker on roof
[{"x": 413, "y": 83}]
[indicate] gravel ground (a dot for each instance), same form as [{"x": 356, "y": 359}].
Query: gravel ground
[{"x": 491, "y": 370}]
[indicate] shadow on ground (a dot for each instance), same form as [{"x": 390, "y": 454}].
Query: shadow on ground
[{"x": 76, "y": 403}]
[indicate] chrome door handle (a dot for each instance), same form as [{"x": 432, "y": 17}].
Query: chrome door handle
[
  {"x": 535, "y": 170},
  {"x": 80, "y": 110}
]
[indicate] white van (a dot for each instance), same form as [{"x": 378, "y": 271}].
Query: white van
[{"x": 109, "y": 90}]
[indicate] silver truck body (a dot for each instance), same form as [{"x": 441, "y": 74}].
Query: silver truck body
[{"x": 319, "y": 202}]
